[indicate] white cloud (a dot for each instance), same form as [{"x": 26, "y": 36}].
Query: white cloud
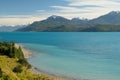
[
  {"x": 40, "y": 11},
  {"x": 65, "y": 9},
  {"x": 88, "y": 8},
  {"x": 92, "y": 2},
  {"x": 74, "y": 8},
  {"x": 18, "y": 20},
  {"x": 22, "y": 19}
]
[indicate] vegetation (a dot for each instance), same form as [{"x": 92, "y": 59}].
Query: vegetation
[
  {"x": 11, "y": 51},
  {"x": 0, "y": 72},
  {"x": 103, "y": 28},
  {"x": 13, "y": 65},
  {"x": 18, "y": 69}
]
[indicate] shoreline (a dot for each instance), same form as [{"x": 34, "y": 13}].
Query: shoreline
[{"x": 28, "y": 54}]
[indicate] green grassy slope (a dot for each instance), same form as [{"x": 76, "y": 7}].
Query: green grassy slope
[{"x": 13, "y": 67}]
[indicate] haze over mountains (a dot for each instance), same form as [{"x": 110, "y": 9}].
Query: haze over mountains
[
  {"x": 10, "y": 28},
  {"x": 107, "y": 22}
]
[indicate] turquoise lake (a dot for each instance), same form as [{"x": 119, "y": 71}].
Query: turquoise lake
[{"x": 80, "y": 55}]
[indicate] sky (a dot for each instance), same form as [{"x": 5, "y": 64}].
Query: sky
[{"x": 22, "y": 12}]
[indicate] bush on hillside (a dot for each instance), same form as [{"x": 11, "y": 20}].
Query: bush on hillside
[
  {"x": 0, "y": 72},
  {"x": 24, "y": 63},
  {"x": 6, "y": 77},
  {"x": 18, "y": 69}
]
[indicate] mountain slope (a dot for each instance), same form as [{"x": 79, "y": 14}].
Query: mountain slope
[
  {"x": 52, "y": 23},
  {"x": 112, "y": 18},
  {"x": 103, "y": 28},
  {"x": 10, "y": 28},
  {"x": 61, "y": 24}
]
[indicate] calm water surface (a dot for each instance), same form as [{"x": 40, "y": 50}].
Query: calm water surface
[{"x": 94, "y": 56}]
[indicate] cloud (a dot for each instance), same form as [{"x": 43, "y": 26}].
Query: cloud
[
  {"x": 18, "y": 20},
  {"x": 65, "y": 9},
  {"x": 92, "y": 2},
  {"x": 40, "y": 10},
  {"x": 73, "y": 8},
  {"x": 23, "y": 19},
  {"x": 87, "y": 8}
]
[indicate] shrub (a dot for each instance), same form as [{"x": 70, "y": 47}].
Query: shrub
[
  {"x": 0, "y": 72},
  {"x": 18, "y": 69},
  {"x": 6, "y": 77},
  {"x": 24, "y": 63}
]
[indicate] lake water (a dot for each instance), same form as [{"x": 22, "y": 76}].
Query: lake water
[{"x": 83, "y": 55}]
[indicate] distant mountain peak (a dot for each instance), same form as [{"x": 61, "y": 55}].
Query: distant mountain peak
[
  {"x": 114, "y": 12},
  {"x": 76, "y": 18},
  {"x": 54, "y": 16},
  {"x": 112, "y": 18},
  {"x": 57, "y": 18}
]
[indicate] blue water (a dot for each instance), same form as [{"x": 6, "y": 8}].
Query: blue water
[{"x": 93, "y": 56}]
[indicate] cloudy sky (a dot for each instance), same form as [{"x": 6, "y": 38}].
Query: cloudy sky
[{"x": 17, "y": 12}]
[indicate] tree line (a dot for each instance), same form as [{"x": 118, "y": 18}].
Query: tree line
[{"x": 9, "y": 49}]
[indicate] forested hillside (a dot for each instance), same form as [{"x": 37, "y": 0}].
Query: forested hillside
[{"x": 13, "y": 65}]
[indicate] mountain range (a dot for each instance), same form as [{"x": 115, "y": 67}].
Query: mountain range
[
  {"x": 106, "y": 23},
  {"x": 10, "y": 28}
]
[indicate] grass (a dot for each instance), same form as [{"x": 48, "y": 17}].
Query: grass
[{"x": 8, "y": 64}]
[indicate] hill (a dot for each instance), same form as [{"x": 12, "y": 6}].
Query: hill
[
  {"x": 107, "y": 22},
  {"x": 13, "y": 65}
]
